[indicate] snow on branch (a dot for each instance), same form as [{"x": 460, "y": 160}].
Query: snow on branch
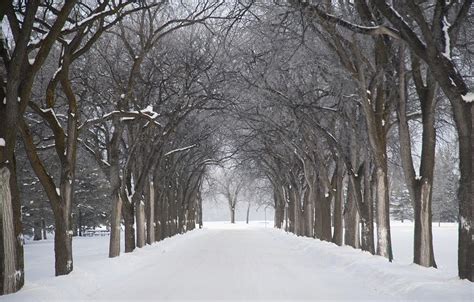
[
  {"x": 180, "y": 150},
  {"x": 146, "y": 113},
  {"x": 468, "y": 97},
  {"x": 366, "y": 30}
]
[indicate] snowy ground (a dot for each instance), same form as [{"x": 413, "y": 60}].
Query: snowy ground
[{"x": 243, "y": 262}]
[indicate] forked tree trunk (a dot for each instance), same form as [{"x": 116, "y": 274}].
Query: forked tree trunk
[{"x": 420, "y": 189}]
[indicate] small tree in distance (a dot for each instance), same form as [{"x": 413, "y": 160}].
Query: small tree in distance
[{"x": 229, "y": 183}]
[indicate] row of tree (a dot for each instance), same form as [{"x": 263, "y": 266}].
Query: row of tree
[
  {"x": 332, "y": 95},
  {"x": 113, "y": 104}
]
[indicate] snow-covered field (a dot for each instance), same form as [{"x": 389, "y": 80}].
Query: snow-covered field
[{"x": 243, "y": 262}]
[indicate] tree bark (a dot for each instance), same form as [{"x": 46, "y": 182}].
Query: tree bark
[
  {"x": 308, "y": 206},
  {"x": 466, "y": 200},
  {"x": 337, "y": 214},
  {"x": 150, "y": 233},
  {"x": 43, "y": 227},
  {"x": 8, "y": 248},
  {"x": 199, "y": 200},
  {"x": 115, "y": 187},
  {"x": 115, "y": 222},
  {"x": 140, "y": 213},
  {"x": 367, "y": 219},
  {"x": 351, "y": 220},
  {"x": 62, "y": 241},
  {"x": 232, "y": 214},
  {"x": 129, "y": 220},
  {"x": 384, "y": 245}
]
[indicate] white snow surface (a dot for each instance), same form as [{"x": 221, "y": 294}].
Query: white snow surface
[{"x": 244, "y": 262}]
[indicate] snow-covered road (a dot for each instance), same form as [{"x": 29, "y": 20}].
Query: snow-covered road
[{"x": 246, "y": 263}]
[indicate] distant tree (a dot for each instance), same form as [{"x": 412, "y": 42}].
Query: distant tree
[{"x": 229, "y": 184}]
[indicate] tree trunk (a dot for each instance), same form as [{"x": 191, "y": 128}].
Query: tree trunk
[
  {"x": 200, "y": 210},
  {"x": 351, "y": 220},
  {"x": 37, "y": 230},
  {"x": 337, "y": 214},
  {"x": 12, "y": 279},
  {"x": 290, "y": 212},
  {"x": 308, "y": 205},
  {"x": 150, "y": 232},
  {"x": 248, "y": 214},
  {"x": 466, "y": 185},
  {"x": 326, "y": 217},
  {"x": 191, "y": 213},
  {"x": 115, "y": 221},
  {"x": 232, "y": 214},
  {"x": 115, "y": 186},
  {"x": 384, "y": 245},
  {"x": 299, "y": 223},
  {"x": 140, "y": 213},
  {"x": 367, "y": 220},
  {"x": 62, "y": 241},
  {"x": 158, "y": 210},
  {"x": 279, "y": 199},
  {"x": 62, "y": 216},
  {"x": 129, "y": 219},
  {"x": 43, "y": 227},
  {"x": 181, "y": 209},
  {"x": 79, "y": 222},
  {"x": 423, "y": 240},
  {"x": 420, "y": 189},
  {"x": 164, "y": 216},
  {"x": 276, "y": 202}
]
